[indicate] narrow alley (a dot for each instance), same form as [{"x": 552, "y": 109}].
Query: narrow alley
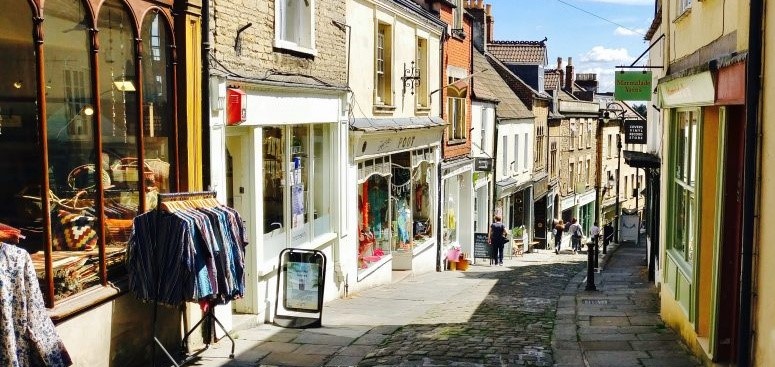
[{"x": 533, "y": 311}]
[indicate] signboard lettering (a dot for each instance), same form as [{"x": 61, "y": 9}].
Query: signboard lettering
[
  {"x": 635, "y": 132},
  {"x": 632, "y": 85},
  {"x": 483, "y": 164},
  {"x": 481, "y": 248}
]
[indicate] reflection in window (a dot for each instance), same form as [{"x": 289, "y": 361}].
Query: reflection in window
[
  {"x": 274, "y": 190},
  {"x": 451, "y": 215},
  {"x": 72, "y": 157},
  {"x": 422, "y": 178},
  {"x": 322, "y": 173},
  {"x": 298, "y": 167},
  {"x": 685, "y": 156},
  {"x": 157, "y": 104}
]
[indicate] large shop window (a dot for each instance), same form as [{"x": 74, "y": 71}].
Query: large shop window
[
  {"x": 394, "y": 204},
  {"x": 297, "y": 186},
  {"x": 90, "y": 117},
  {"x": 683, "y": 185}
]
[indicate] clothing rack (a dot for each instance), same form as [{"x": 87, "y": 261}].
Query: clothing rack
[{"x": 209, "y": 315}]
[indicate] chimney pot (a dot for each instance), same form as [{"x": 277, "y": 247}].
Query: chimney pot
[
  {"x": 488, "y": 9},
  {"x": 559, "y": 63}
]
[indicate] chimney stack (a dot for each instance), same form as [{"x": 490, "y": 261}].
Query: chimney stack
[
  {"x": 569, "y": 75},
  {"x": 490, "y": 21}
]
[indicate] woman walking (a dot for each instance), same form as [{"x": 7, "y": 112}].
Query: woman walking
[
  {"x": 496, "y": 239},
  {"x": 558, "y": 229}
]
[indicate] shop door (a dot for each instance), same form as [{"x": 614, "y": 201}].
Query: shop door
[
  {"x": 239, "y": 193},
  {"x": 732, "y": 208},
  {"x": 539, "y": 228}
]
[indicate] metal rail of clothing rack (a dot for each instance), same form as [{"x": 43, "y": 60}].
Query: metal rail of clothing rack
[{"x": 209, "y": 315}]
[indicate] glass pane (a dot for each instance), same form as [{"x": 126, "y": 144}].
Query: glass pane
[
  {"x": 274, "y": 191},
  {"x": 321, "y": 165},
  {"x": 299, "y": 183},
  {"x": 21, "y": 178},
  {"x": 157, "y": 104},
  {"x": 422, "y": 177},
  {"x": 682, "y": 142},
  {"x": 118, "y": 115},
  {"x": 401, "y": 189},
  {"x": 72, "y": 154},
  {"x": 451, "y": 192},
  {"x": 691, "y": 222},
  {"x": 692, "y": 153},
  {"x": 374, "y": 227},
  {"x": 681, "y": 216}
]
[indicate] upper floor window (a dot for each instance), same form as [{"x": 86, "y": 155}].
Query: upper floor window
[
  {"x": 383, "y": 91},
  {"x": 505, "y": 160},
  {"x": 524, "y": 156},
  {"x": 294, "y": 26},
  {"x": 610, "y": 144},
  {"x": 553, "y": 159},
  {"x": 457, "y": 15},
  {"x": 456, "y": 114},
  {"x": 684, "y": 5},
  {"x": 516, "y": 152},
  {"x": 422, "y": 69}
]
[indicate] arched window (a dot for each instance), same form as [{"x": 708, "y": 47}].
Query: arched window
[{"x": 157, "y": 100}]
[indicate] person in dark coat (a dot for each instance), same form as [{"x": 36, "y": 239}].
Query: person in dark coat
[
  {"x": 497, "y": 239},
  {"x": 608, "y": 234}
]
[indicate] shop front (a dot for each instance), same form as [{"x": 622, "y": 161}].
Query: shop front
[
  {"x": 396, "y": 196},
  {"x": 89, "y": 132},
  {"x": 280, "y": 168},
  {"x": 457, "y": 204},
  {"x": 515, "y": 205}
]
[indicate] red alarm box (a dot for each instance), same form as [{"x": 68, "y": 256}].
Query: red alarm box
[{"x": 236, "y": 106}]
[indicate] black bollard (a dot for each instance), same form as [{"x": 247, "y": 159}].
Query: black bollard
[{"x": 590, "y": 269}]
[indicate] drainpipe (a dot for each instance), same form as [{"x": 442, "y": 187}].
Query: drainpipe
[
  {"x": 439, "y": 190},
  {"x": 205, "y": 95},
  {"x": 494, "y": 162},
  {"x": 750, "y": 179}
]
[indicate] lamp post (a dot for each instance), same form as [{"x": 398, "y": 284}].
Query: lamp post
[{"x": 617, "y": 109}]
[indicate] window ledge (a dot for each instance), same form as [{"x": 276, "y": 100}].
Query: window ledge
[
  {"x": 456, "y": 141},
  {"x": 384, "y": 109},
  {"x": 86, "y": 300},
  {"x": 290, "y": 46},
  {"x": 421, "y": 110},
  {"x": 683, "y": 14},
  {"x": 459, "y": 34}
]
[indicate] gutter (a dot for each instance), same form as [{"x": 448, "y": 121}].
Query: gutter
[{"x": 750, "y": 180}]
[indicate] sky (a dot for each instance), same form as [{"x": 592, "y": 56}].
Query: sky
[{"x": 596, "y": 45}]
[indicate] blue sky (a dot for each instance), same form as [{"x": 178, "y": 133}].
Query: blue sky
[{"x": 596, "y": 45}]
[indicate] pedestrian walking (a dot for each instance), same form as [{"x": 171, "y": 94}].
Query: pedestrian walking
[
  {"x": 608, "y": 234},
  {"x": 576, "y": 234},
  {"x": 594, "y": 232},
  {"x": 559, "y": 228},
  {"x": 497, "y": 238}
]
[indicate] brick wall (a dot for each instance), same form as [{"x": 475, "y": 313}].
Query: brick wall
[
  {"x": 457, "y": 52},
  {"x": 258, "y": 55}
]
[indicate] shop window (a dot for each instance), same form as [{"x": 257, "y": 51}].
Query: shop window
[
  {"x": 383, "y": 93},
  {"x": 451, "y": 213},
  {"x": 401, "y": 199},
  {"x": 422, "y": 68},
  {"x": 294, "y": 25},
  {"x": 298, "y": 178},
  {"x": 456, "y": 114},
  {"x": 374, "y": 208},
  {"x": 157, "y": 104},
  {"x": 322, "y": 184},
  {"x": 275, "y": 167},
  {"x": 683, "y": 183},
  {"x": 422, "y": 205}
]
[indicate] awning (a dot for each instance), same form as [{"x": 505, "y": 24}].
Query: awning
[
  {"x": 509, "y": 186},
  {"x": 641, "y": 160}
]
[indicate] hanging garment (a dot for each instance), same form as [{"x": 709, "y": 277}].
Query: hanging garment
[{"x": 27, "y": 335}]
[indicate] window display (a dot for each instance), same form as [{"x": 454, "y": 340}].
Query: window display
[
  {"x": 322, "y": 180},
  {"x": 91, "y": 146},
  {"x": 422, "y": 179},
  {"x": 374, "y": 226},
  {"x": 274, "y": 190},
  {"x": 452, "y": 196},
  {"x": 401, "y": 190}
]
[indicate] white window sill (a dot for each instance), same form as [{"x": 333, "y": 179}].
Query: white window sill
[{"x": 286, "y": 45}]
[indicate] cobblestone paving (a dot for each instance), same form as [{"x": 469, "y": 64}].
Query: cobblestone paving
[{"x": 512, "y": 326}]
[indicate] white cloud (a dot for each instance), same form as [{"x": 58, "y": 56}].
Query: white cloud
[
  {"x": 602, "y": 54},
  {"x": 621, "y": 31}
]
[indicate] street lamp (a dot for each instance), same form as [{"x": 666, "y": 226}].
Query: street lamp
[{"x": 614, "y": 108}]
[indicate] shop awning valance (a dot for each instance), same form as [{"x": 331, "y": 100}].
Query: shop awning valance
[
  {"x": 640, "y": 159},
  {"x": 395, "y": 124}
]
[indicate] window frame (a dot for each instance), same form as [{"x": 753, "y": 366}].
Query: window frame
[
  {"x": 422, "y": 99},
  {"x": 456, "y": 117},
  {"x": 279, "y": 25},
  {"x": 383, "y": 65},
  {"x": 688, "y": 186}
]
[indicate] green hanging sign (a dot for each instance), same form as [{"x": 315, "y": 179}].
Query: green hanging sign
[{"x": 632, "y": 86}]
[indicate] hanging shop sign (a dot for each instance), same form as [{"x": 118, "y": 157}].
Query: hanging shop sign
[
  {"x": 635, "y": 132},
  {"x": 483, "y": 164},
  {"x": 632, "y": 86},
  {"x": 692, "y": 90}
]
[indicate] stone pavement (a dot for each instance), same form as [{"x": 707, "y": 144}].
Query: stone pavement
[
  {"x": 532, "y": 311},
  {"x": 619, "y": 324}
]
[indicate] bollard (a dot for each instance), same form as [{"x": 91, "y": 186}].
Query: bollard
[{"x": 590, "y": 269}]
